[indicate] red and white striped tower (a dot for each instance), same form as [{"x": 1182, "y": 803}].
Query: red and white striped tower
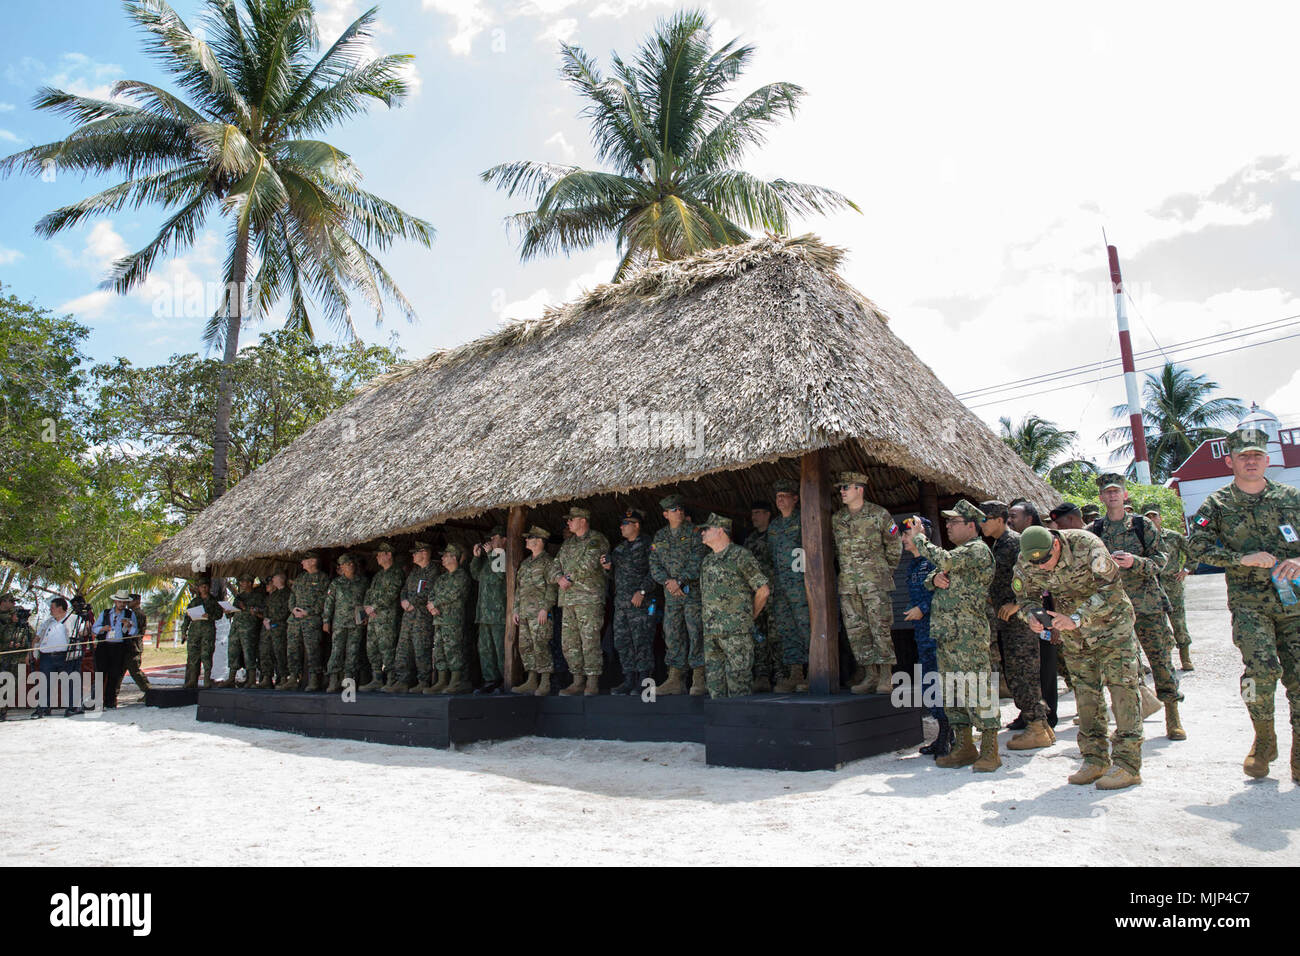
[{"x": 1140, "y": 461}]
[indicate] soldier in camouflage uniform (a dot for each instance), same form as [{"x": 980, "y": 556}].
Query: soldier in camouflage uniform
[
  {"x": 304, "y": 635},
  {"x": 1251, "y": 529},
  {"x": 1178, "y": 559},
  {"x": 245, "y": 632},
  {"x": 413, "y": 659},
  {"x": 1093, "y": 623},
  {"x": 1137, "y": 552},
  {"x": 344, "y": 620},
  {"x": 383, "y": 611},
  {"x": 135, "y": 648},
  {"x": 201, "y": 635},
  {"x": 488, "y": 568},
  {"x": 274, "y": 649},
  {"x": 581, "y": 579},
  {"x": 634, "y": 587},
  {"x": 675, "y": 558},
  {"x": 15, "y": 638},
  {"x": 959, "y": 624},
  {"x": 869, "y": 546},
  {"x": 535, "y": 595},
  {"x": 767, "y": 650},
  {"x": 446, "y": 606},
  {"x": 790, "y": 622},
  {"x": 733, "y": 591}
]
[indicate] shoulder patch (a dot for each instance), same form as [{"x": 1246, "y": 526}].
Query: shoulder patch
[
  {"x": 1102, "y": 563},
  {"x": 893, "y": 528},
  {"x": 1203, "y": 521},
  {"x": 1017, "y": 584}
]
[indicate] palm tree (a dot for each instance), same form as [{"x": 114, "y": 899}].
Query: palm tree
[
  {"x": 241, "y": 144},
  {"x": 1037, "y": 441},
  {"x": 1178, "y": 413},
  {"x": 659, "y": 121}
]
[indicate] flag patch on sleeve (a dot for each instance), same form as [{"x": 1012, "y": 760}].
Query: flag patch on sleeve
[
  {"x": 893, "y": 529},
  {"x": 1203, "y": 521}
]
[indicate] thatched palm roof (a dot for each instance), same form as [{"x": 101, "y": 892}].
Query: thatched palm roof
[{"x": 764, "y": 343}]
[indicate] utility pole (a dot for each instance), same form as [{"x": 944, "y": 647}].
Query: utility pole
[{"x": 1140, "y": 461}]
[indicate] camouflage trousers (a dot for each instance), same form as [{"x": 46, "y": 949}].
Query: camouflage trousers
[
  {"x": 535, "y": 644},
  {"x": 345, "y": 652},
  {"x": 1020, "y": 663},
  {"x": 1177, "y": 611},
  {"x": 241, "y": 650},
  {"x": 381, "y": 641},
  {"x": 272, "y": 651},
  {"x": 448, "y": 643},
  {"x": 683, "y": 632},
  {"x": 304, "y": 638},
  {"x": 134, "y": 661},
  {"x": 1157, "y": 644},
  {"x": 767, "y": 653},
  {"x": 970, "y": 690},
  {"x": 790, "y": 622},
  {"x": 868, "y": 622},
  {"x": 634, "y": 636},
  {"x": 1110, "y": 663},
  {"x": 1269, "y": 641},
  {"x": 201, "y": 644},
  {"x": 580, "y": 638},
  {"x": 492, "y": 651},
  {"x": 729, "y": 663},
  {"x": 413, "y": 658}
]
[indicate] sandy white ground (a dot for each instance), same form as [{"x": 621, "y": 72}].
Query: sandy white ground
[{"x": 171, "y": 790}]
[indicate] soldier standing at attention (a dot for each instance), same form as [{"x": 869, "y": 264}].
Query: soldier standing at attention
[
  {"x": 767, "y": 650},
  {"x": 446, "y": 606},
  {"x": 414, "y": 655},
  {"x": 1251, "y": 529},
  {"x": 634, "y": 628},
  {"x": 1093, "y": 623},
  {"x": 675, "y": 558},
  {"x": 959, "y": 623},
  {"x": 535, "y": 595},
  {"x": 733, "y": 591},
  {"x": 869, "y": 546},
  {"x": 245, "y": 632},
  {"x": 1135, "y": 546},
  {"x": 1178, "y": 557},
  {"x": 578, "y": 573},
  {"x": 274, "y": 647},
  {"x": 304, "y": 634},
  {"x": 135, "y": 647},
  {"x": 382, "y": 612},
  {"x": 201, "y": 634},
  {"x": 789, "y": 595},
  {"x": 488, "y": 568},
  {"x": 343, "y": 619}
]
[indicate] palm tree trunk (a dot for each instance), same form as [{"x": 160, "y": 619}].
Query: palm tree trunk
[{"x": 235, "y": 297}]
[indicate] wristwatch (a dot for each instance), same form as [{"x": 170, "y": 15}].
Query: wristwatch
[{"x": 1075, "y": 618}]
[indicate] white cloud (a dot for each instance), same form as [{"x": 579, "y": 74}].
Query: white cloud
[
  {"x": 534, "y": 305},
  {"x": 6, "y": 107},
  {"x": 9, "y": 256},
  {"x": 559, "y": 31},
  {"x": 620, "y": 8},
  {"x": 562, "y": 144},
  {"x": 1285, "y": 402},
  {"x": 471, "y": 19},
  {"x": 84, "y": 76},
  {"x": 9, "y": 137}
]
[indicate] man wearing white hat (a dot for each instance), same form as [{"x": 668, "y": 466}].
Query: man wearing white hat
[{"x": 113, "y": 631}]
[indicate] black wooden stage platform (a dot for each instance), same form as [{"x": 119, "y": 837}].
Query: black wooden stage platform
[{"x": 769, "y": 731}]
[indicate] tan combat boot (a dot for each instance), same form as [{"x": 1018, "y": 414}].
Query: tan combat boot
[
  {"x": 963, "y": 753},
  {"x": 673, "y": 685},
  {"x": 989, "y": 759},
  {"x": 866, "y": 684},
  {"x": 576, "y": 687},
  {"x": 1034, "y": 737},
  {"x": 313, "y": 685},
  {"x": 1185, "y": 657},
  {"x": 543, "y": 686},
  {"x": 1150, "y": 702},
  {"x": 762, "y": 685},
  {"x": 265, "y": 683},
  {"x": 801, "y": 683},
  {"x": 397, "y": 687},
  {"x": 699, "y": 683},
  {"x": 787, "y": 684},
  {"x": 458, "y": 683},
  {"x": 1173, "y": 726},
  {"x": 376, "y": 682},
  {"x": 335, "y": 685},
  {"x": 1118, "y": 779},
  {"x": 528, "y": 686},
  {"x": 593, "y": 685},
  {"x": 444, "y": 678},
  {"x": 191, "y": 678},
  {"x": 424, "y": 687},
  {"x": 1088, "y": 773},
  {"x": 885, "y": 678},
  {"x": 1263, "y": 751},
  {"x": 859, "y": 675}
]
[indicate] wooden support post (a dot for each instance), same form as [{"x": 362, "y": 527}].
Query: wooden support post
[
  {"x": 930, "y": 508},
  {"x": 514, "y": 667},
  {"x": 819, "y": 575}
]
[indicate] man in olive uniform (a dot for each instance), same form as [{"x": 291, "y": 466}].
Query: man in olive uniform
[
  {"x": 1093, "y": 623},
  {"x": 634, "y": 587},
  {"x": 446, "y": 607},
  {"x": 1135, "y": 546},
  {"x": 383, "y": 610},
  {"x": 535, "y": 595},
  {"x": 15, "y": 639},
  {"x": 1177, "y": 561},
  {"x": 868, "y": 544},
  {"x": 959, "y": 624},
  {"x": 245, "y": 632},
  {"x": 733, "y": 591},
  {"x": 578, "y": 573},
  {"x": 343, "y": 619},
  {"x": 201, "y": 634},
  {"x": 274, "y": 648},
  {"x": 304, "y": 635},
  {"x": 488, "y": 568},
  {"x": 675, "y": 558},
  {"x": 1251, "y": 529},
  {"x": 413, "y": 659},
  {"x": 789, "y": 595},
  {"x": 767, "y": 650},
  {"x": 135, "y": 647}
]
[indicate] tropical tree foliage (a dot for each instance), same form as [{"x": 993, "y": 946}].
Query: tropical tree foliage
[
  {"x": 1038, "y": 442},
  {"x": 674, "y": 186}
]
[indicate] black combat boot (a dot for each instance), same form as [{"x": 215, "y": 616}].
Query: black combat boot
[
  {"x": 942, "y": 744},
  {"x": 629, "y": 682}
]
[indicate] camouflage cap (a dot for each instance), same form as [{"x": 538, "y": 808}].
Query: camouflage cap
[
  {"x": 576, "y": 512},
  {"x": 497, "y": 529},
  {"x": 1091, "y": 511},
  {"x": 418, "y": 546},
  {"x": 717, "y": 521},
  {"x": 1248, "y": 439},
  {"x": 383, "y": 546},
  {"x": 964, "y": 510},
  {"x": 309, "y": 554},
  {"x": 1151, "y": 510},
  {"x": 995, "y": 509},
  {"x": 1036, "y": 544},
  {"x": 1109, "y": 480},
  {"x": 785, "y": 487},
  {"x": 538, "y": 532},
  {"x": 346, "y": 558},
  {"x": 632, "y": 514},
  {"x": 851, "y": 478},
  {"x": 454, "y": 550},
  {"x": 1063, "y": 509},
  {"x": 669, "y": 502}
]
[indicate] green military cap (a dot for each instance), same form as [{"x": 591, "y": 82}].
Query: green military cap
[
  {"x": 576, "y": 512},
  {"x": 246, "y": 577},
  {"x": 346, "y": 558},
  {"x": 966, "y": 511},
  {"x": 1109, "y": 480},
  {"x": 1036, "y": 544},
  {"x": 670, "y": 502},
  {"x": 717, "y": 521},
  {"x": 538, "y": 532},
  {"x": 454, "y": 550},
  {"x": 417, "y": 546},
  {"x": 995, "y": 509},
  {"x": 1091, "y": 511},
  {"x": 851, "y": 478},
  {"x": 785, "y": 487},
  {"x": 497, "y": 529},
  {"x": 1152, "y": 510},
  {"x": 385, "y": 546},
  {"x": 1248, "y": 439},
  {"x": 309, "y": 554}
]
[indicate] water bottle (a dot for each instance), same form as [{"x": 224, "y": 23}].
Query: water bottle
[{"x": 1285, "y": 592}]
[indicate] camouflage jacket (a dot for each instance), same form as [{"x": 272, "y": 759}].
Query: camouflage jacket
[
  {"x": 969, "y": 568},
  {"x": 1142, "y": 580},
  {"x": 385, "y": 590},
  {"x": 14, "y": 637},
  {"x": 728, "y": 582},
  {"x": 1086, "y": 581},
  {"x": 450, "y": 591},
  {"x": 345, "y": 602},
  {"x": 868, "y": 545},
  {"x": 784, "y": 539},
  {"x": 1177, "y": 555},
  {"x": 1231, "y": 524},
  {"x": 308, "y": 592},
  {"x": 677, "y": 553},
  {"x": 211, "y": 607},
  {"x": 534, "y": 589},
  {"x": 277, "y": 607},
  {"x": 251, "y": 609},
  {"x": 489, "y": 570},
  {"x": 419, "y": 588},
  {"x": 758, "y": 545},
  {"x": 631, "y": 560},
  {"x": 579, "y": 558}
]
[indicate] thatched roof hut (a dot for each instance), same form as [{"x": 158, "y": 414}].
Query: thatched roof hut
[{"x": 711, "y": 376}]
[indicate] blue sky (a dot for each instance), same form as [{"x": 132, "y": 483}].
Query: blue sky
[{"x": 988, "y": 147}]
